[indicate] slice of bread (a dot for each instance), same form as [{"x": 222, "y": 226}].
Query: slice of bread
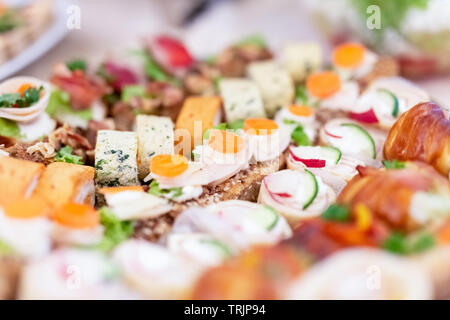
[
  {"x": 243, "y": 186},
  {"x": 9, "y": 277}
]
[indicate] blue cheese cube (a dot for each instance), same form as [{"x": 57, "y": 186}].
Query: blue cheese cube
[
  {"x": 116, "y": 159},
  {"x": 242, "y": 99},
  {"x": 274, "y": 83},
  {"x": 155, "y": 136},
  {"x": 301, "y": 59}
]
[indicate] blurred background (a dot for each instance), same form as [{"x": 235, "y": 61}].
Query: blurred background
[{"x": 416, "y": 32}]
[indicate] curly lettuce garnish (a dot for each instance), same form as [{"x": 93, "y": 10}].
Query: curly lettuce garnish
[{"x": 65, "y": 155}]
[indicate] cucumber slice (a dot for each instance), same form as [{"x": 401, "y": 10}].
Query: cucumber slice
[
  {"x": 388, "y": 98},
  {"x": 218, "y": 247},
  {"x": 363, "y": 138},
  {"x": 312, "y": 187},
  {"x": 267, "y": 217},
  {"x": 329, "y": 154}
]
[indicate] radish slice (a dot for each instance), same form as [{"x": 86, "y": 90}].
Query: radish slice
[
  {"x": 316, "y": 157},
  {"x": 171, "y": 53},
  {"x": 365, "y": 117}
]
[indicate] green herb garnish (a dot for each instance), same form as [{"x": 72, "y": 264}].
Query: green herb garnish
[
  {"x": 116, "y": 231},
  {"x": 253, "y": 40},
  {"x": 337, "y": 212},
  {"x": 5, "y": 249},
  {"x": 153, "y": 70},
  {"x": 222, "y": 126},
  {"x": 171, "y": 193},
  {"x": 237, "y": 125},
  {"x": 401, "y": 244},
  {"x": 77, "y": 64},
  {"x": 300, "y": 137},
  {"x": 65, "y": 155},
  {"x": 8, "y": 21},
  {"x": 394, "y": 164},
  {"x": 301, "y": 95},
  {"x": 15, "y": 100},
  {"x": 129, "y": 92}
]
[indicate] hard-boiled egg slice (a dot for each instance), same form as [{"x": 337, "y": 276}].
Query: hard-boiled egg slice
[
  {"x": 24, "y": 226},
  {"x": 72, "y": 275},
  {"x": 155, "y": 272},
  {"x": 238, "y": 224},
  {"x": 353, "y": 60},
  {"x": 131, "y": 203},
  {"x": 77, "y": 224},
  {"x": 386, "y": 100},
  {"x": 329, "y": 92},
  {"x": 199, "y": 247},
  {"x": 40, "y": 127},
  {"x": 30, "y": 113},
  {"x": 290, "y": 118},
  {"x": 353, "y": 139},
  {"x": 362, "y": 274},
  {"x": 297, "y": 195},
  {"x": 266, "y": 140}
]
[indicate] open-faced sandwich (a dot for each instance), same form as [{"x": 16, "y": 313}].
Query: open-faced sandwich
[{"x": 244, "y": 176}]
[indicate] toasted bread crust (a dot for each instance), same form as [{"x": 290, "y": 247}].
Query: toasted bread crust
[
  {"x": 61, "y": 182},
  {"x": 9, "y": 277},
  {"x": 243, "y": 186},
  {"x": 16, "y": 177}
]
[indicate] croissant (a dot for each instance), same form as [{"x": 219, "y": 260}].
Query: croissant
[
  {"x": 422, "y": 133},
  {"x": 388, "y": 194}
]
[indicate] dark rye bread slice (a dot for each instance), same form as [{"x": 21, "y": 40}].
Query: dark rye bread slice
[
  {"x": 9, "y": 277},
  {"x": 244, "y": 185}
]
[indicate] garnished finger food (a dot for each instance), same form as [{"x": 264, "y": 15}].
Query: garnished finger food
[{"x": 297, "y": 195}]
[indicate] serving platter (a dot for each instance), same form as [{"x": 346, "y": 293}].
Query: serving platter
[{"x": 52, "y": 36}]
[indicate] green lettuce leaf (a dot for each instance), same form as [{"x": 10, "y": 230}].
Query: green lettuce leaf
[
  {"x": 129, "y": 92},
  {"x": 172, "y": 193},
  {"x": 337, "y": 212},
  {"x": 77, "y": 64},
  {"x": 394, "y": 164},
  {"x": 59, "y": 102},
  {"x": 9, "y": 128},
  {"x": 300, "y": 137},
  {"x": 65, "y": 155},
  {"x": 116, "y": 231}
]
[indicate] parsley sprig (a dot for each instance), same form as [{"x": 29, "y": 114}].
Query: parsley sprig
[{"x": 16, "y": 100}]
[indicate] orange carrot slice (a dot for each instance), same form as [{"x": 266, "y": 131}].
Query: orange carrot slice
[
  {"x": 24, "y": 88},
  {"x": 77, "y": 216},
  {"x": 168, "y": 165},
  {"x": 226, "y": 142},
  {"x": 260, "y": 126},
  {"x": 28, "y": 209},
  {"x": 116, "y": 190},
  {"x": 349, "y": 55},
  {"x": 323, "y": 84},
  {"x": 301, "y": 111}
]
